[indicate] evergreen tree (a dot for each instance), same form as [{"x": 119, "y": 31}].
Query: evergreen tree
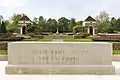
[{"x": 3, "y": 28}]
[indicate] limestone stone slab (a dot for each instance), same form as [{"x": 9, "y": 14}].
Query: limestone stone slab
[
  {"x": 43, "y": 69},
  {"x": 21, "y": 54}
]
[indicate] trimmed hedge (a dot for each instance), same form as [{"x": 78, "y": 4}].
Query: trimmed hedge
[
  {"x": 6, "y": 35},
  {"x": 109, "y": 36},
  {"x": 11, "y": 39},
  {"x": 105, "y": 39}
]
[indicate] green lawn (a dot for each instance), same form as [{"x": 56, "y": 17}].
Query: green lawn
[
  {"x": 70, "y": 40},
  {"x": 116, "y": 51},
  {"x": 5, "y": 51},
  {"x": 79, "y": 40}
]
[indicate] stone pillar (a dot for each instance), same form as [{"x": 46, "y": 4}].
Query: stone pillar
[
  {"x": 93, "y": 31},
  {"x": 21, "y": 30},
  {"x": 57, "y": 30},
  {"x": 88, "y": 30}
]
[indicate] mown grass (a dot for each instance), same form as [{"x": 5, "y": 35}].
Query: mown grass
[
  {"x": 78, "y": 40},
  {"x": 116, "y": 51},
  {"x": 3, "y": 52},
  {"x": 69, "y": 40}
]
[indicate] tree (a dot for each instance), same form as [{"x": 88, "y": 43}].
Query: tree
[
  {"x": 103, "y": 16},
  {"x": 3, "y": 28},
  {"x": 80, "y": 23},
  {"x": 33, "y": 28},
  {"x": 15, "y": 19},
  {"x": 112, "y": 27},
  {"x": 12, "y": 24},
  {"x": 72, "y": 23},
  {"x": 35, "y": 20},
  {"x": 9, "y": 26},
  {"x": 52, "y": 25},
  {"x": 63, "y": 24},
  {"x": 117, "y": 25},
  {"x": 1, "y": 18},
  {"x": 78, "y": 29},
  {"x": 49, "y": 25},
  {"x": 103, "y": 21},
  {"x": 41, "y": 23}
]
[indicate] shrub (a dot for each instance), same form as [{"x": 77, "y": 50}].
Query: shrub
[
  {"x": 12, "y": 39},
  {"x": 116, "y": 46},
  {"x": 109, "y": 36},
  {"x": 3, "y": 46},
  {"x": 105, "y": 39},
  {"x": 2, "y": 35}
]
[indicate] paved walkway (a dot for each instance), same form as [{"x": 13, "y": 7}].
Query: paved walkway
[{"x": 4, "y": 76}]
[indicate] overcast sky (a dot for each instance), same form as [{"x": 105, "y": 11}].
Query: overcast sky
[{"x": 78, "y": 9}]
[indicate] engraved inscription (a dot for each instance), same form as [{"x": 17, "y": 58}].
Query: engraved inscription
[{"x": 58, "y": 55}]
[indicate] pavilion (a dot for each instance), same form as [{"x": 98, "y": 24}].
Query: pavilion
[
  {"x": 90, "y": 25},
  {"x": 23, "y": 22}
]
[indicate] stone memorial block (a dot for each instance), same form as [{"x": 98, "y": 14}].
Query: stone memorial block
[{"x": 59, "y": 58}]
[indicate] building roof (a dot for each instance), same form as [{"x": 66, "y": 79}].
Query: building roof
[
  {"x": 25, "y": 18},
  {"x": 89, "y": 18}
]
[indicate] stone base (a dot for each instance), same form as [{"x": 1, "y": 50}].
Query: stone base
[{"x": 61, "y": 69}]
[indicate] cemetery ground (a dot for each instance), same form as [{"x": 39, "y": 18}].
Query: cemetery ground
[
  {"x": 116, "y": 56},
  {"x": 68, "y": 37}
]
